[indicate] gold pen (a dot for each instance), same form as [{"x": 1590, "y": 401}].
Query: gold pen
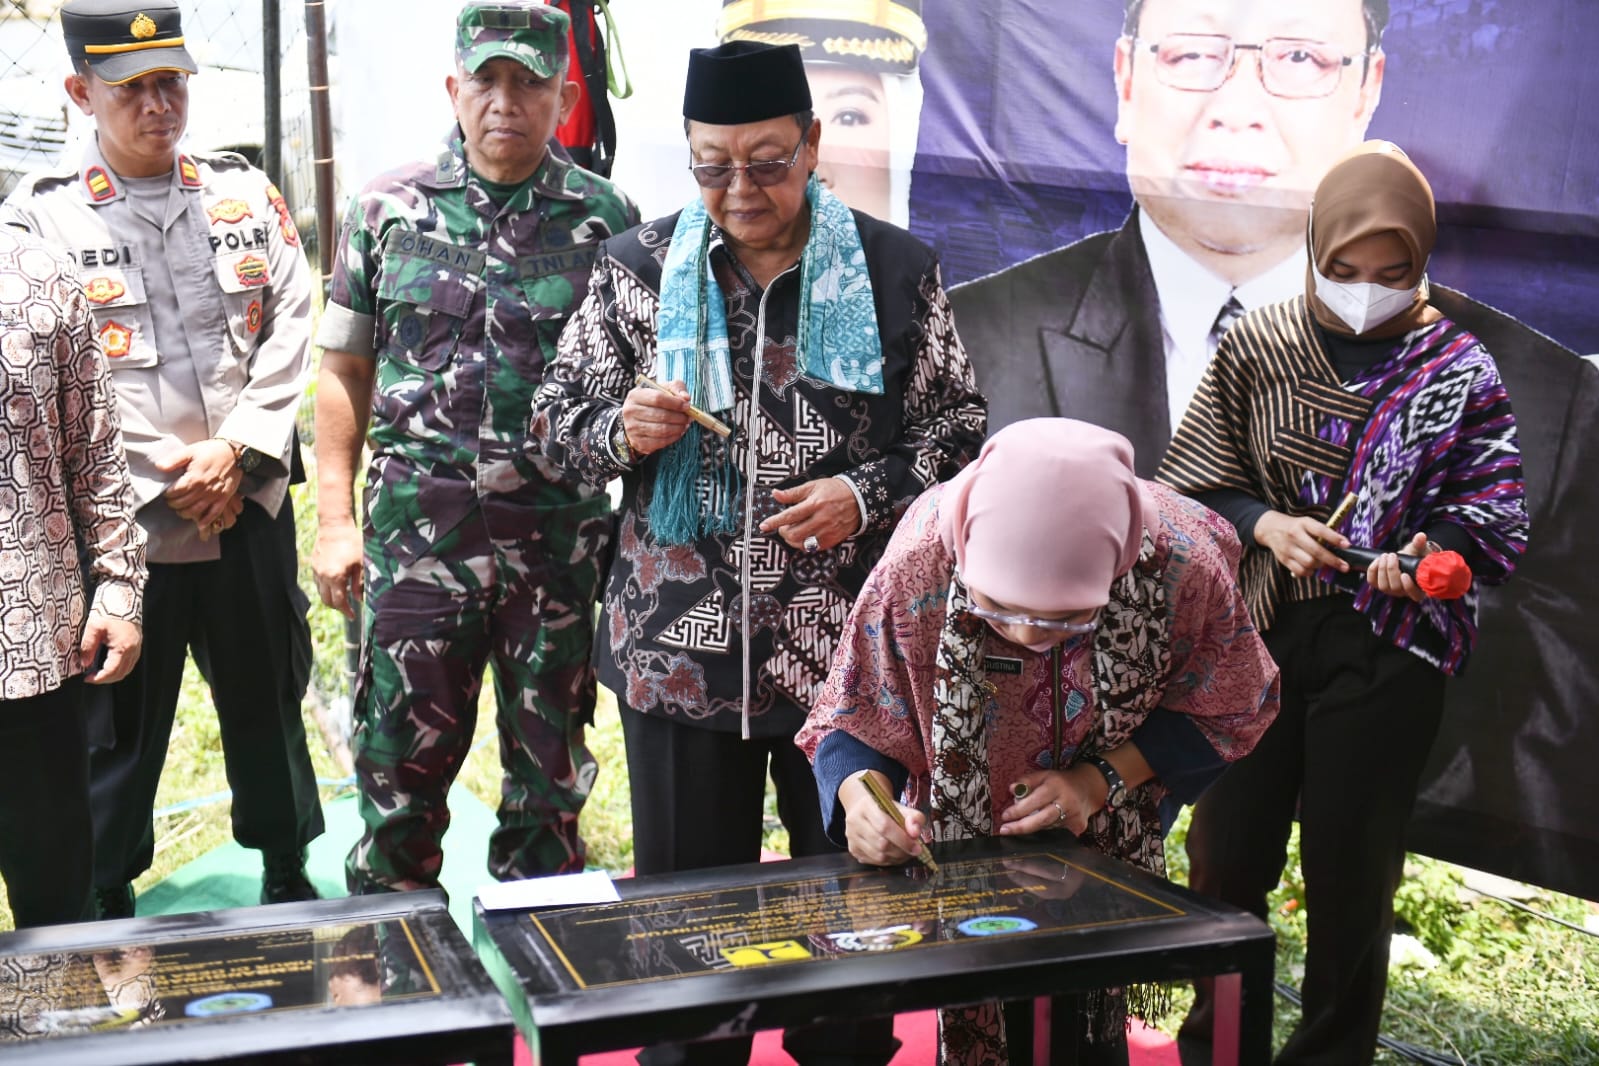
[
  {"x": 709, "y": 421},
  {"x": 890, "y": 808},
  {"x": 1336, "y": 519}
]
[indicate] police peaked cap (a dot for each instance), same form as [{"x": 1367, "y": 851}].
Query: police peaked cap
[{"x": 125, "y": 39}]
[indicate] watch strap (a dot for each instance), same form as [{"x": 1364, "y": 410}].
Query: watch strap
[{"x": 1118, "y": 787}]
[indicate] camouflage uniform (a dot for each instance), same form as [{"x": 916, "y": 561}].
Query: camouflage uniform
[{"x": 477, "y": 550}]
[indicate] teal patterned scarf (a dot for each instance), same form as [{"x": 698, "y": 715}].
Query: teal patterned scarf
[{"x": 839, "y": 344}]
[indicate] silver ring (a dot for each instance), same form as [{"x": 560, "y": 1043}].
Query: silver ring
[
  {"x": 812, "y": 545},
  {"x": 1060, "y": 812}
]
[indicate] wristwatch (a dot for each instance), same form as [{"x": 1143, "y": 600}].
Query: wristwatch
[
  {"x": 245, "y": 457},
  {"x": 1118, "y": 788},
  {"x": 619, "y": 444}
]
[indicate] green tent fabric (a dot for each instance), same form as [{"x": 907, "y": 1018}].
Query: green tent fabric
[{"x": 230, "y": 876}]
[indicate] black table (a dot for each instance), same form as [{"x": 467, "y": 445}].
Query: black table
[
  {"x": 372, "y": 979},
  {"x": 744, "y": 948}
]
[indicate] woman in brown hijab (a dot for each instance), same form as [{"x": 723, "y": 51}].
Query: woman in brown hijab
[{"x": 1358, "y": 387}]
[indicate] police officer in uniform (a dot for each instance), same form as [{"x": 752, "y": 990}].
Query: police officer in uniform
[
  {"x": 201, "y": 300},
  {"x": 454, "y": 278}
]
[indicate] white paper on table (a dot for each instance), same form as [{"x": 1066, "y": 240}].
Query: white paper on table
[{"x": 563, "y": 890}]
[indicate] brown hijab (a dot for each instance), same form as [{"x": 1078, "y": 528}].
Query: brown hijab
[{"x": 1374, "y": 189}]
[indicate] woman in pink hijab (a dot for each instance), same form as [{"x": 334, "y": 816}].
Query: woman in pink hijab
[{"x": 1045, "y": 625}]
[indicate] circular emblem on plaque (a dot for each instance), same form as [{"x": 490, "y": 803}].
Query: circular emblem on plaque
[
  {"x": 228, "y": 1003},
  {"x": 996, "y": 925}
]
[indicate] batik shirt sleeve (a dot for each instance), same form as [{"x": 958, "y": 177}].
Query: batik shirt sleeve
[
  {"x": 606, "y": 343},
  {"x": 1221, "y": 675},
  {"x": 944, "y": 422},
  {"x": 879, "y": 688}
]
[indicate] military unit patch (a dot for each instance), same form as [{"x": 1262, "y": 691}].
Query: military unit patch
[
  {"x": 252, "y": 317},
  {"x": 116, "y": 340},
  {"x": 229, "y": 211},
  {"x": 251, "y": 271},
  {"x": 99, "y": 183},
  {"x": 188, "y": 173}
]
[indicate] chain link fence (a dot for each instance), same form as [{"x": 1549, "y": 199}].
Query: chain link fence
[{"x": 39, "y": 126}]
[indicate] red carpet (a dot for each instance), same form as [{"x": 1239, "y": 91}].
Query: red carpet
[{"x": 918, "y": 1032}]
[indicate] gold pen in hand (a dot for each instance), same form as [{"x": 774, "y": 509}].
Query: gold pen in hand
[
  {"x": 709, "y": 421},
  {"x": 1336, "y": 519},
  {"x": 890, "y": 808}
]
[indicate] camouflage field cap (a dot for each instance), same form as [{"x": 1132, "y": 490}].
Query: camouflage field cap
[
  {"x": 125, "y": 39},
  {"x": 529, "y": 31}
]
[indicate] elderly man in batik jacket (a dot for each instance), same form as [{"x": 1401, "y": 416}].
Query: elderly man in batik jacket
[
  {"x": 454, "y": 279},
  {"x": 824, "y": 338}
]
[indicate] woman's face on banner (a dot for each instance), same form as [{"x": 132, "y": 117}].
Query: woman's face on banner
[
  {"x": 1232, "y": 110},
  {"x": 853, "y": 108}
]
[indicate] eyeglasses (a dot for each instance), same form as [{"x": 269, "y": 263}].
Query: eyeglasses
[
  {"x": 763, "y": 172},
  {"x": 1053, "y": 625},
  {"x": 1290, "y": 67}
]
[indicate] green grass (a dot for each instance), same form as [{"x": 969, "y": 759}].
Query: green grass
[{"x": 1509, "y": 988}]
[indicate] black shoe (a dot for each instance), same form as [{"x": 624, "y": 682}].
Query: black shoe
[
  {"x": 114, "y": 902},
  {"x": 283, "y": 879}
]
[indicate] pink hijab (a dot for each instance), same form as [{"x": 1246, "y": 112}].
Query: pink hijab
[{"x": 1047, "y": 516}]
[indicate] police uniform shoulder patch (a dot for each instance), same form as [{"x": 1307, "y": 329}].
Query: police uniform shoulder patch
[
  {"x": 230, "y": 210},
  {"x": 102, "y": 290},
  {"x": 116, "y": 339},
  {"x": 188, "y": 173},
  {"x": 99, "y": 184},
  {"x": 291, "y": 236},
  {"x": 252, "y": 271}
]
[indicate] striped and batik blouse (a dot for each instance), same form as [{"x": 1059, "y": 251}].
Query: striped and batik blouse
[{"x": 1422, "y": 436}]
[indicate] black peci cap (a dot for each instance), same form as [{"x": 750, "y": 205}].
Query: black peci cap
[
  {"x": 742, "y": 81},
  {"x": 124, "y": 39}
]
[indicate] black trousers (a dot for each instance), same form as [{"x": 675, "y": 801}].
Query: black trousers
[
  {"x": 1357, "y": 722},
  {"x": 46, "y": 837},
  {"x": 243, "y": 616},
  {"x": 698, "y": 798}
]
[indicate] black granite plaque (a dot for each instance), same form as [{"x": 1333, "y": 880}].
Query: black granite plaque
[
  {"x": 379, "y": 979},
  {"x": 733, "y": 950},
  {"x": 816, "y": 919}
]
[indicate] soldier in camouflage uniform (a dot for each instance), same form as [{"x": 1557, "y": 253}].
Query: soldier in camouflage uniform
[{"x": 454, "y": 279}]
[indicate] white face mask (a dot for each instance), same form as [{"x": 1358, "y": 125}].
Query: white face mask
[{"x": 1362, "y": 305}]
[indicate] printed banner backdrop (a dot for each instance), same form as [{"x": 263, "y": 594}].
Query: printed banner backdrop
[{"x": 1024, "y": 118}]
